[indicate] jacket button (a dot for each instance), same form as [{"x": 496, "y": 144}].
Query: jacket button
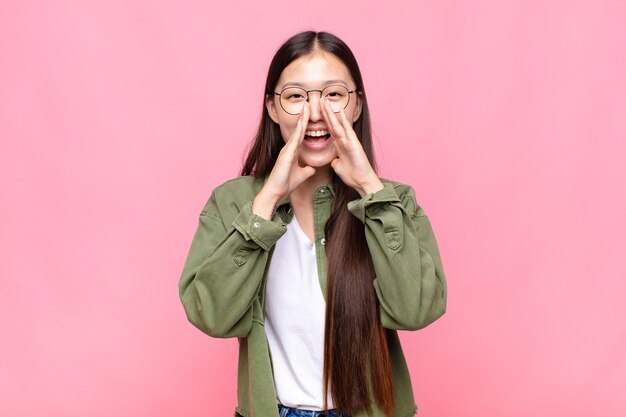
[
  {"x": 256, "y": 224},
  {"x": 323, "y": 241}
]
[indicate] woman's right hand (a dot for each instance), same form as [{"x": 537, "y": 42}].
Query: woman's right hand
[{"x": 287, "y": 174}]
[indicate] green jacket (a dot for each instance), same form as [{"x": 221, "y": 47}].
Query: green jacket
[{"x": 222, "y": 286}]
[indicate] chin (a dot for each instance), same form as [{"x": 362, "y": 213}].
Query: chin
[
  {"x": 317, "y": 161},
  {"x": 318, "y": 158}
]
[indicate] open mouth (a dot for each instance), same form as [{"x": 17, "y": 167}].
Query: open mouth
[{"x": 317, "y": 136}]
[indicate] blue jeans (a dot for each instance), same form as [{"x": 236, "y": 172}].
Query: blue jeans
[{"x": 295, "y": 412}]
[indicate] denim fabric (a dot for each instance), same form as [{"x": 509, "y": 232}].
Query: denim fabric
[{"x": 295, "y": 412}]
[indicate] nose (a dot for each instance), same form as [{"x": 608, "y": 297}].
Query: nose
[{"x": 315, "y": 107}]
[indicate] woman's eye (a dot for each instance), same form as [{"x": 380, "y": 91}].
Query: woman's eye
[
  {"x": 295, "y": 97},
  {"x": 334, "y": 94}
]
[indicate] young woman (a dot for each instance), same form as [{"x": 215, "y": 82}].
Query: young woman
[{"x": 311, "y": 259}]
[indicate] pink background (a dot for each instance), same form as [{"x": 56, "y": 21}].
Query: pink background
[{"x": 117, "y": 118}]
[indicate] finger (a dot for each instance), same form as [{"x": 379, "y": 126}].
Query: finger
[
  {"x": 331, "y": 120},
  {"x": 333, "y": 126},
  {"x": 306, "y": 172},
  {"x": 298, "y": 135},
  {"x": 304, "y": 120},
  {"x": 299, "y": 175},
  {"x": 347, "y": 126},
  {"x": 325, "y": 117}
]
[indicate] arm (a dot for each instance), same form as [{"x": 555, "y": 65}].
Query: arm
[
  {"x": 224, "y": 269},
  {"x": 410, "y": 282},
  {"x": 226, "y": 263}
]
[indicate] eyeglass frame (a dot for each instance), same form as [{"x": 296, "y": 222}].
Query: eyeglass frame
[{"x": 307, "y": 96}]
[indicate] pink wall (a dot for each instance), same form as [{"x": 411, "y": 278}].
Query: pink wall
[{"x": 117, "y": 119}]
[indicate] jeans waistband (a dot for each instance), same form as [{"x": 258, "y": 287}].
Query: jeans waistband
[{"x": 296, "y": 412}]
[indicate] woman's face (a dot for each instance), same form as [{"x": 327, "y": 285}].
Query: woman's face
[{"x": 314, "y": 72}]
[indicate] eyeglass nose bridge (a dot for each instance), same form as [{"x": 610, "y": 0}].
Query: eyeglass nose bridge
[
  {"x": 312, "y": 91},
  {"x": 314, "y": 113}
]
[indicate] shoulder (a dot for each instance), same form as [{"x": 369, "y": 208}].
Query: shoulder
[
  {"x": 231, "y": 195},
  {"x": 406, "y": 194},
  {"x": 240, "y": 187}
]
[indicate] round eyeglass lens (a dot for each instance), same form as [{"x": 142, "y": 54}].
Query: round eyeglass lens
[
  {"x": 292, "y": 99},
  {"x": 338, "y": 97}
]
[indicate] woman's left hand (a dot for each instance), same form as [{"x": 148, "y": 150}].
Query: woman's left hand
[{"x": 351, "y": 163}]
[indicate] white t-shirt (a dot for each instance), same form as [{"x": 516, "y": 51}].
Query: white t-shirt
[{"x": 294, "y": 321}]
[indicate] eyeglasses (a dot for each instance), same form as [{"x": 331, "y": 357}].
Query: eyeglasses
[{"x": 292, "y": 99}]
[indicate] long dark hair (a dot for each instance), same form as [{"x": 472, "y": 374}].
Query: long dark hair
[{"x": 357, "y": 366}]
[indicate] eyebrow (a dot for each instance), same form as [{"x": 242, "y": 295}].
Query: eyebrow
[{"x": 327, "y": 82}]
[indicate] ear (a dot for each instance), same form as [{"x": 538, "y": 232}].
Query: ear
[
  {"x": 270, "y": 104},
  {"x": 359, "y": 106}
]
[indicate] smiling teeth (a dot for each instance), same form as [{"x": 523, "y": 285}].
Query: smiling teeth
[{"x": 317, "y": 133}]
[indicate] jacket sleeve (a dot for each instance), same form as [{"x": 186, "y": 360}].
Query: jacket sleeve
[
  {"x": 410, "y": 282},
  {"x": 223, "y": 272}
]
